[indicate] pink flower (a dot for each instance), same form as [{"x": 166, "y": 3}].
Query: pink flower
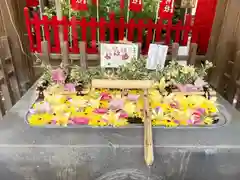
[
  {"x": 58, "y": 75},
  {"x": 80, "y": 120},
  {"x": 123, "y": 115},
  {"x": 70, "y": 87},
  {"x": 187, "y": 87},
  {"x": 101, "y": 111},
  {"x": 195, "y": 118},
  {"x": 105, "y": 96}
]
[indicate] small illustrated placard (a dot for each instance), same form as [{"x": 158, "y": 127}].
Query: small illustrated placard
[
  {"x": 115, "y": 55},
  {"x": 157, "y": 55},
  {"x": 188, "y": 3},
  {"x": 183, "y": 51}
]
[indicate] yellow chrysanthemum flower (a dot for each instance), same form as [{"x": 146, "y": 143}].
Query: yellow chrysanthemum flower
[
  {"x": 59, "y": 108},
  {"x": 113, "y": 119},
  {"x": 208, "y": 120},
  {"x": 209, "y": 106},
  {"x": 62, "y": 119},
  {"x": 96, "y": 120},
  {"x": 40, "y": 119},
  {"x": 130, "y": 108},
  {"x": 78, "y": 101},
  {"x": 55, "y": 99},
  {"x": 103, "y": 104}
]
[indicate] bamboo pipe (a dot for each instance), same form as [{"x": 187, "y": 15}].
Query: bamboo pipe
[
  {"x": 122, "y": 84},
  {"x": 148, "y": 141}
]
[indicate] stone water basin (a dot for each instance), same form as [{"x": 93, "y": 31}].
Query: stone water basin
[{"x": 117, "y": 154}]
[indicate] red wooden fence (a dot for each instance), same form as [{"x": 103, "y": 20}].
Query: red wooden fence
[{"x": 136, "y": 29}]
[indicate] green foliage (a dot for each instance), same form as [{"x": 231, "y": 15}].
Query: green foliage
[{"x": 106, "y": 6}]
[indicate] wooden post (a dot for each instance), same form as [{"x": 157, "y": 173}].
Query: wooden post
[
  {"x": 45, "y": 52},
  {"x": 13, "y": 81},
  {"x": 14, "y": 26},
  {"x": 83, "y": 54},
  {"x": 175, "y": 47},
  {"x": 65, "y": 54},
  {"x": 59, "y": 17},
  {"x": 192, "y": 54}
]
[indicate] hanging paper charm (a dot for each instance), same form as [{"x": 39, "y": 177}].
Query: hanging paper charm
[
  {"x": 166, "y": 8},
  {"x": 79, "y": 5},
  {"x": 135, "y": 5}
]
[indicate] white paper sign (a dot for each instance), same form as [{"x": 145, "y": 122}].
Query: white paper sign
[
  {"x": 157, "y": 55},
  {"x": 183, "y": 51},
  {"x": 114, "y": 55}
]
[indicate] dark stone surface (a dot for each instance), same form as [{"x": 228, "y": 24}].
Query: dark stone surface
[{"x": 109, "y": 154}]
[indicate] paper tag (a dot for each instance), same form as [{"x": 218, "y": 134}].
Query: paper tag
[
  {"x": 115, "y": 55},
  {"x": 157, "y": 55},
  {"x": 183, "y": 51}
]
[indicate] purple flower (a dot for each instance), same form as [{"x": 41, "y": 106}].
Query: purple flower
[
  {"x": 133, "y": 97},
  {"x": 177, "y": 121},
  {"x": 158, "y": 109},
  {"x": 116, "y": 104},
  {"x": 41, "y": 108},
  {"x": 70, "y": 87},
  {"x": 201, "y": 110}
]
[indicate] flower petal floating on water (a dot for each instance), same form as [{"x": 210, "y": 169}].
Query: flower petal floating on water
[
  {"x": 101, "y": 110},
  {"x": 116, "y": 104},
  {"x": 105, "y": 96},
  {"x": 80, "y": 120}
]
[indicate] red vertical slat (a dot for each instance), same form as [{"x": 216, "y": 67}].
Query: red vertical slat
[
  {"x": 28, "y": 25},
  {"x": 46, "y": 23},
  {"x": 187, "y": 28},
  {"x": 168, "y": 30},
  {"x": 55, "y": 28},
  {"x": 37, "y": 23},
  {"x": 75, "y": 48},
  {"x": 131, "y": 26},
  {"x": 112, "y": 26},
  {"x": 140, "y": 30},
  {"x": 102, "y": 24},
  {"x": 195, "y": 35},
  {"x": 150, "y": 26},
  {"x": 158, "y": 33},
  {"x": 121, "y": 28},
  {"x": 93, "y": 26}
]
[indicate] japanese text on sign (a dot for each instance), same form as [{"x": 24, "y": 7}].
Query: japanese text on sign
[{"x": 114, "y": 55}]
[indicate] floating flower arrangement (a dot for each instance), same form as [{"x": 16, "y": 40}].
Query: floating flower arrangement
[{"x": 66, "y": 99}]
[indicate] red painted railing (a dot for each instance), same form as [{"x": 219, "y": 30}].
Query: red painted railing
[{"x": 140, "y": 30}]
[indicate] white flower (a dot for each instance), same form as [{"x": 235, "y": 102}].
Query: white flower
[{"x": 188, "y": 70}]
